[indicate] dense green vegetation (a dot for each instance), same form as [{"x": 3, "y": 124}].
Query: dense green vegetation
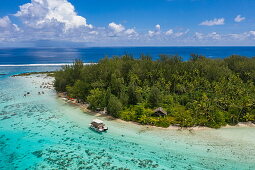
[{"x": 201, "y": 91}]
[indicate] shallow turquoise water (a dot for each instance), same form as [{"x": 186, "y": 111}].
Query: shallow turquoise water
[{"x": 44, "y": 132}]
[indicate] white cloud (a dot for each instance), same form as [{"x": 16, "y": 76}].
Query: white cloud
[
  {"x": 155, "y": 32},
  {"x": 244, "y": 35},
  {"x": 150, "y": 33},
  {"x": 41, "y": 13},
  {"x": 214, "y": 35},
  {"x": 94, "y": 32},
  {"x": 117, "y": 28},
  {"x": 7, "y": 25},
  {"x": 179, "y": 34},
  {"x": 199, "y": 35},
  {"x": 157, "y": 27},
  {"x": 209, "y": 37},
  {"x": 8, "y": 30},
  {"x": 239, "y": 18},
  {"x": 169, "y": 32},
  {"x": 130, "y": 31},
  {"x": 57, "y": 20},
  {"x": 118, "y": 31},
  {"x": 252, "y": 33},
  {"x": 232, "y": 37},
  {"x": 219, "y": 21},
  {"x": 240, "y": 36},
  {"x": 5, "y": 22}
]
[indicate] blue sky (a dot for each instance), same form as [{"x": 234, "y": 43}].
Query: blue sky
[{"x": 128, "y": 22}]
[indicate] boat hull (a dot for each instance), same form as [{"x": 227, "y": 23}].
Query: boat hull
[{"x": 98, "y": 129}]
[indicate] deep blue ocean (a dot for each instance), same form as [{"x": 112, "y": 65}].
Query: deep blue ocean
[{"x": 16, "y": 56}]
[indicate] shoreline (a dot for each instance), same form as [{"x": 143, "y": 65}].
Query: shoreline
[{"x": 84, "y": 108}]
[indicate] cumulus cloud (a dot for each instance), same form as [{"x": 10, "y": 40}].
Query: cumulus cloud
[
  {"x": 169, "y": 32},
  {"x": 179, "y": 34},
  {"x": 210, "y": 36},
  {"x": 176, "y": 34},
  {"x": 131, "y": 31},
  {"x": 8, "y": 30},
  {"x": 41, "y": 13},
  {"x": 6, "y": 24},
  {"x": 150, "y": 33},
  {"x": 252, "y": 33},
  {"x": 57, "y": 20},
  {"x": 94, "y": 32},
  {"x": 155, "y": 32},
  {"x": 218, "y": 37},
  {"x": 117, "y": 28},
  {"x": 199, "y": 35},
  {"x": 216, "y": 21},
  {"x": 244, "y": 35},
  {"x": 239, "y": 18},
  {"x": 239, "y": 36},
  {"x": 157, "y": 27},
  {"x": 214, "y": 35}
]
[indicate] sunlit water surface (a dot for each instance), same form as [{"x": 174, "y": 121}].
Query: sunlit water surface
[{"x": 44, "y": 132}]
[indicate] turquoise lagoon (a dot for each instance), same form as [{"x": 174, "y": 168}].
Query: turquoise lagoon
[{"x": 44, "y": 132}]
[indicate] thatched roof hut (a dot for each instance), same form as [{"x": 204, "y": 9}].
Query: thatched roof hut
[{"x": 159, "y": 112}]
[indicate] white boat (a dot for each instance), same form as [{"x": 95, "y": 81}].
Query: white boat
[{"x": 98, "y": 125}]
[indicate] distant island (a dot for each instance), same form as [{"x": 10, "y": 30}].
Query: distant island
[
  {"x": 49, "y": 73},
  {"x": 168, "y": 91}
]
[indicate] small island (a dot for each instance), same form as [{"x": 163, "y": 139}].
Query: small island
[
  {"x": 49, "y": 73},
  {"x": 168, "y": 91}
]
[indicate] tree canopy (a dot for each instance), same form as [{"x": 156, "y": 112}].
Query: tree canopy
[{"x": 198, "y": 92}]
